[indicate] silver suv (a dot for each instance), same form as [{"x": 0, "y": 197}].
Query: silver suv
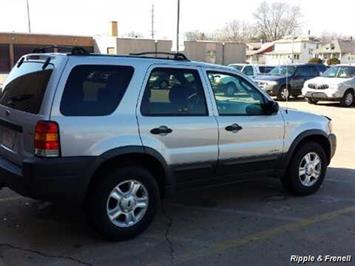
[{"x": 116, "y": 133}]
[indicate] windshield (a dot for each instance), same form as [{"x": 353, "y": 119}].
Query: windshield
[
  {"x": 340, "y": 72},
  {"x": 237, "y": 67},
  {"x": 283, "y": 70},
  {"x": 25, "y": 87}
]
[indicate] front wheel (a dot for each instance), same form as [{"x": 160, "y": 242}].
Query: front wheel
[
  {"x": 123, "y": 203},
  {"x": 307, "y": 170},
  {"x": 348, "y": 99},
  {"x": 283, "y": 94}
]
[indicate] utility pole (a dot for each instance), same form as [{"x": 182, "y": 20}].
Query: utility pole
[
  {"x": 153, "y": 22},
  {"x": 28, "y": 16},
  {"x": 178, "y": 26}
]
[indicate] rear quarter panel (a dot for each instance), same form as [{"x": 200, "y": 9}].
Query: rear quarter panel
[{"x": 94, "y": 135}]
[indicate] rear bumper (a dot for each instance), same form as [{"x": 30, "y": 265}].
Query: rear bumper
[{"x": 52, "y": 179}]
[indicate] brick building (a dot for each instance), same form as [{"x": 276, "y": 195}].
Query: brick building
[{"x": 14, "y": 45}]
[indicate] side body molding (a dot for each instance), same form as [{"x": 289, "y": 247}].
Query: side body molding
[{"x": 131, "y": 150}]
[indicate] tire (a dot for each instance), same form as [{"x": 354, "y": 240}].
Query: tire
[
  {"x": 280, "y": 96},
  {"x": 295, "y": 95},
  {"x": 348, "y": 99},
  {"x": 230, "y": 89},
  {"x": 296, "y": 183},
  {"x": 102, "y": 199},
  {"x": 312, "y": 101}
]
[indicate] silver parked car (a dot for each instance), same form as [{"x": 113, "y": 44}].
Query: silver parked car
[{"x": 101, "y": 131}]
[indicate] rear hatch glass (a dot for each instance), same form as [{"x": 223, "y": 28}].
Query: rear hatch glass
[
  {"x": 26, "y": 86},
  {"x": 21, "y": 101}
]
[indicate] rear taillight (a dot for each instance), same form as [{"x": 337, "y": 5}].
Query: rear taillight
[{"x": 47, "y": 139}]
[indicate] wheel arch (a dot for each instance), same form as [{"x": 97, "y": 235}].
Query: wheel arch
[
  {"x": 134, "y": 155},
  {"x": 350, "y": 89},
  {"x": 314, "y": 135}
]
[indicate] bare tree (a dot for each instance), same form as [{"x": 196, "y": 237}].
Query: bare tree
[
  {"x": 195, "y": 35},
  {"x": 277, "y": 20},
  {"x": 235, "y": 31},
  {"x": 329, "y": 36}
]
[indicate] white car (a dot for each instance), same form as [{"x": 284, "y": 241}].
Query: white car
[
  {"x": 336, "y": 84},
  {"x": 252, "y": 71}
]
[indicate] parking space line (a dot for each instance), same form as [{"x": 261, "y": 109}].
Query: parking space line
[
  {"x": 264, "y": 235},
  {"x": 340, "y": 181},
  {"x": 240, "y": 212},
  {"x": 9, "y": 199}
]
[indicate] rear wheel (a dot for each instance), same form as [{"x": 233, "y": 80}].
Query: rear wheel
[
  {"x": 307, "y": 170},
  {"x": 348, "y": 99},
  {"x": 123, "y": 203},
  {"x": 230, "y": 89}
]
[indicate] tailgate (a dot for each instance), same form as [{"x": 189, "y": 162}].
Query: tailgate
[{"x": 25, "y": 99}]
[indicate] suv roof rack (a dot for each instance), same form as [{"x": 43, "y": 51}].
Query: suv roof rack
[
  {"x": 176, "y": 56},
  {"x": 75, "y": 50}
]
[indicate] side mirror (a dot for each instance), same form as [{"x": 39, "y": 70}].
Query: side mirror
[{"x": 271, "y": 107}]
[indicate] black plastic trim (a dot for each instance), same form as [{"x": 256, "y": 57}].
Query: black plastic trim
[
  {"x": 286, "y": 158},
  {"x": 169, "y": 177},
  {"x": 10, "y": 125}
]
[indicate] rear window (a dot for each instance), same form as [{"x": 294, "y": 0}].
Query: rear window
[
  {"x": 26, "y": 86},
  {"x": 95, "y": 90}
]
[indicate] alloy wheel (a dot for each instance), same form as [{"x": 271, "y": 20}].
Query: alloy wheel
[
  {"x": 309, "y": 169},
  {"x": 127, "y": 203}
]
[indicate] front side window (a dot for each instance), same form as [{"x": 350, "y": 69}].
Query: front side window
[
  {"x": 174, "y": 92},
  {"x": 95, "y": 90},
  {"x": 283, "y": 71},
  {"x": 245, "y": 99}
]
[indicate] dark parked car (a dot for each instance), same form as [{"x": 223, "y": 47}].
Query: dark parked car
[{"x": 286, "y": 80}]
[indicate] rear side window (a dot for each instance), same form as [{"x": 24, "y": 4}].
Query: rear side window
[
  {"x": 265, "y": 69},
  {"x": 95, "y": 90},
  {"x": 26, "y": 86}
]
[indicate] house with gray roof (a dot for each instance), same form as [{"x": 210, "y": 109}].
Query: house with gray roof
[{"x": 344, "y": 50}]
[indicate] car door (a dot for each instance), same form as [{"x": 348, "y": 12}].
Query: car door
[
  {"x": 175, "y": 119},
  {"x": 250, "y": 140},
  {"x": 299, "y": 78}
]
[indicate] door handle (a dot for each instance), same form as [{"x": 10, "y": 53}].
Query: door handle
[
  {"x": 162, "y": 130},
  {"x": 234, "y": 128}
]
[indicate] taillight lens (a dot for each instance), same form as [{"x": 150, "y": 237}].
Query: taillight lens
[{"x": 47, "y": 139}]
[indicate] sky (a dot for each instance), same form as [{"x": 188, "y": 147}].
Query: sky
[{"x": 91, "y": 17}]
